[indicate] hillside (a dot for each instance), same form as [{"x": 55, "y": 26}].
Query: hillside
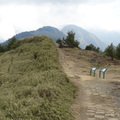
[
  {"x": 32, "y": 85},
  {"x": 84, "y": 37}
]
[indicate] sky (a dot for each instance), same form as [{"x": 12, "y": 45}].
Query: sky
[{"x": 25, "y": 15}]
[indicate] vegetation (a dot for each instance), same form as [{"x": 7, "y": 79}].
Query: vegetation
[
  {"x": 92, "y": 47},
  {"x": 12, "y": 44},
  {"x": 118, "y": 51},
  {"x": 59, "y": 41},
  {"x": 69, "y": 41},
  {"x": 110, "y": 51},
  {"x": 32, "y": 85},
  {"x": 1, "y": 49}
]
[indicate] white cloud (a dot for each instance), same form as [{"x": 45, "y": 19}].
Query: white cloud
[
  {"x": 57, "y": 1},
  {"x": 15, "y": 18},
  {"x": 42, "y": 1},
  {"x": 102, "y": 16},
  {"x": 6, "y": 30}
]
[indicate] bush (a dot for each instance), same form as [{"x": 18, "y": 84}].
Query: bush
[{"x": 92, "y": 47}]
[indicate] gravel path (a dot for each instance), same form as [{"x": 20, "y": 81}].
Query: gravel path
[{"x": 99, "y": 101}]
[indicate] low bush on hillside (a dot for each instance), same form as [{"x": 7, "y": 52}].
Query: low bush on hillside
[
  {"x": 92, "y": 48},
  {"x": 32, "y": 85}
]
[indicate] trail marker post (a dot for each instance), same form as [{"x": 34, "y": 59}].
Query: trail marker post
[
  {"x": 103, "y": 70},
  {"x": 93, "y": 70}
]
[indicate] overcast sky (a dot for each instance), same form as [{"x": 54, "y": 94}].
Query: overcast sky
[{"x": 24, "y": 15}]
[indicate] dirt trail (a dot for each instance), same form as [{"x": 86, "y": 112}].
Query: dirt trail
[{"x": 97, "y": 98}]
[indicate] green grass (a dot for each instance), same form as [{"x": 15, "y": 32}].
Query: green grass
[{"x": 32, "y": 85}]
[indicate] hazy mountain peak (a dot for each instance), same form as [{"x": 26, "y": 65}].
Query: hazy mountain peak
[
  {"x": 73, "y": 27},
  {"x": 47, "y": 28}
]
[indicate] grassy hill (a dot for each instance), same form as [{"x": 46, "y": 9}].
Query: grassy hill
[{"x": 32, "y": 85}]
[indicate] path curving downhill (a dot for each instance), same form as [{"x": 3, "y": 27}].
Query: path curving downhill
[{"x": 97, "y": 98}]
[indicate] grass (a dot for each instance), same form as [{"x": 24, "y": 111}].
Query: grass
[{"x": 32, "y": 85}]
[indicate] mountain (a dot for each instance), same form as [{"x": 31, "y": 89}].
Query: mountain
[
  {"x": 48, "y": 31},
  {"x": 108, "y": 36},
  {"x": 84, "y": 37}
]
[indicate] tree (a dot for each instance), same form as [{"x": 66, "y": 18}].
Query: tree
[
  {"x": 70, "y": 40},
  {"x": 12, "y": 44},
  {"x": 110, "y": 51},
  {"x": 118, "y": 51},
  {"x": 59, "y": 41}
]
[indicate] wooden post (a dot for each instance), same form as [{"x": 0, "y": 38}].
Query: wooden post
[
  {"x": 90, "y": 72},
  {"x": 100, "y": 74},
  {"x": 94, "y": 73}
]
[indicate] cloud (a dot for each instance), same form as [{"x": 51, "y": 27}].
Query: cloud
[
  {"x": 42, "y": 1},
  {"x": 56, "y": 1},
  {"x": 101, "y": 1},
  {"x": 17, "y": 18}
]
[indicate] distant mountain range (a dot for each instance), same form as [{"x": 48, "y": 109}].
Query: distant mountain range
[{"x": 83, "y": 36}]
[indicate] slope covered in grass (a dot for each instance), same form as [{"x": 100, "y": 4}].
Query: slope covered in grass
[{"x": 32, "y": 86}]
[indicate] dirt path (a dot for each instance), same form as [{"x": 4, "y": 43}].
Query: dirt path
[{"x": 97, "y": 98}]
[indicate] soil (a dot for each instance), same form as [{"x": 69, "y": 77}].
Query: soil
[{"x": 96, "y": 98}]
